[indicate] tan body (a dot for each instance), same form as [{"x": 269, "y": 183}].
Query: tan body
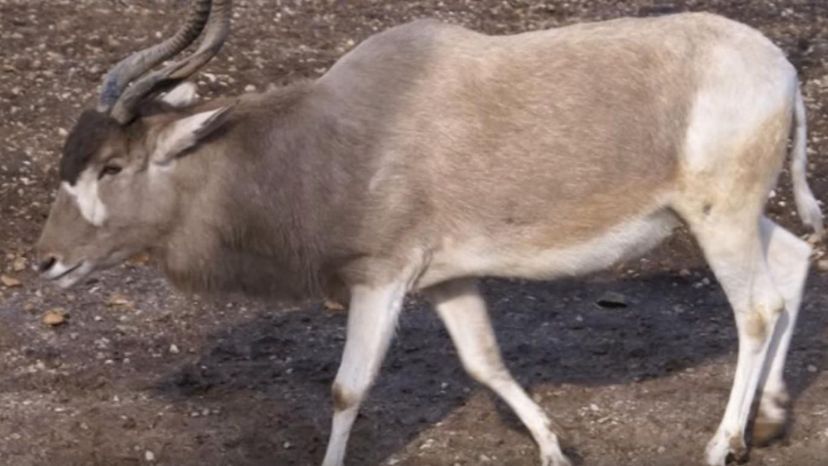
[
  {"x": 441, "y": 145},
  {"x": 500, "y": 157},
  {"x": 431, "y": 155}
]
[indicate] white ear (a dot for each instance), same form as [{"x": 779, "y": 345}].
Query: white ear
[
  {"x": 182, "y": 95},
  {"x": 183, "y": 134}
]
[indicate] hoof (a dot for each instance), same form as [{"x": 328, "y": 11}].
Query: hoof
[
  {"x": 766, "y": 431},
  {"x": 557, "y": 460},
  {"x": 738, "y": 449},
  {"x": 551, "y": 453},
  {"x": 771, "y": 422},
  {"x": 722, "y": 450}
]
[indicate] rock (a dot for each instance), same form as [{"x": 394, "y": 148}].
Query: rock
[
  {"x": 117, "y": 299},
  {"x": 10, "y": 282},
  {"x": 139, "y": 259},
  {"x": 612, "y": 300},
  {"x": 149, "y": 456},
  {"x": 19, "y": 264},
  {"x": 129, "y": 423},
  {"x": 427, "y": 444},
  {"x": 822, "y": 265},
  {"x": 174, "y": 349},
  {"x": 333, "y": 305},
  {"x": 55, "y": 317}
]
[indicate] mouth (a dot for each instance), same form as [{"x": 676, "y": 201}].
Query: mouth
[{"x": 66, "y": 276}]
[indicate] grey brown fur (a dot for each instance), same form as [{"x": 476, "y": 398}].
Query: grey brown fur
[
  {"x": 430, "y": 154},
  {"x": 341, "y": 178}
]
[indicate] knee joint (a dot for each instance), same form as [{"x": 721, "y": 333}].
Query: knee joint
[
  {"x": 343, "y": 398},
  {"x": 488, "y": 375},
  {"x": 760, "y": 320}
]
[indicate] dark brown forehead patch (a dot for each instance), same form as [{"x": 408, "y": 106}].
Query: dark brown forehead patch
[{"x": 83, "y": 142}]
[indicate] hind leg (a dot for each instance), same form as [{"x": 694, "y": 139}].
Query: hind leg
[
  {"x": 788, "y": 259},
  {"x": 733, "y": 247}
]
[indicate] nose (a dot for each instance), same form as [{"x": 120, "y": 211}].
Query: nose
[{"x": 46, "y": 263}]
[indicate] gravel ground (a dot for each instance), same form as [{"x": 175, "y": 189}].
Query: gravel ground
[{"x": 140, "y": 374}]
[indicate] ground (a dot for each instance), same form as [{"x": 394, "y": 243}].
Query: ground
[{"x": 140, "y": 373}]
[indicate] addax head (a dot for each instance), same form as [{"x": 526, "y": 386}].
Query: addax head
[{"x": 117, "y": 192}]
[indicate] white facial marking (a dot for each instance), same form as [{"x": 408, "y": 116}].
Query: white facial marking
[
  {"x": 67, "y": 275},
  {"x": 58, "y": 269},
  {"x": 85, "y": 194}
]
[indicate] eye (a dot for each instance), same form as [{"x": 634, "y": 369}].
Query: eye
[{"x": 109, "y": 170}]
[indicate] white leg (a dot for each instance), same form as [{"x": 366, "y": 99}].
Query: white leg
[
  {"x": 788, "y": 259},
  {"x": 372, "y": 317},
  {"x": 735, "y": 253},
  {"x": 463, "y": 311}
]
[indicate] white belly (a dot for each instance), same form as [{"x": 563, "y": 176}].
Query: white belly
[{"x": 501, "y": 257}]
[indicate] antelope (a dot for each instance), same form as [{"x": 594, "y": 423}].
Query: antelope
[{"x": 431, "y": 155}]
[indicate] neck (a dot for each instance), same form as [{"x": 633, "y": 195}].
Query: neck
[{"x": 251, "y": 221}]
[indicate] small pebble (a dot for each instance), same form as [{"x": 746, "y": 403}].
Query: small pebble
[
  {"x": 427, "y": 444},
  {"x": 54, "y": 317},
  {"x": 612, "y": 300},
  {"x": 19, "y": 264},
  {"x": 9, "y": 282}
]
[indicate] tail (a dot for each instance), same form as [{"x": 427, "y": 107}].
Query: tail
[{"x": 806, "y": 203}]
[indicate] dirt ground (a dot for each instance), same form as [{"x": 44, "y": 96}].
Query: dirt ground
[{"x": 142, "y": 374}]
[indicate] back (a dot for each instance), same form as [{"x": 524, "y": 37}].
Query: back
[{"x": 514, "y": 135}]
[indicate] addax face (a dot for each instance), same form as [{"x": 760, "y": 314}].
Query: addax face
[{"x": 118, "y": 193}]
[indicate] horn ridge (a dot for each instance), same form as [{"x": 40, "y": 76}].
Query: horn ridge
[
  {"x": 138, "y": 63},
  {"x": 214, "y": 35}
]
